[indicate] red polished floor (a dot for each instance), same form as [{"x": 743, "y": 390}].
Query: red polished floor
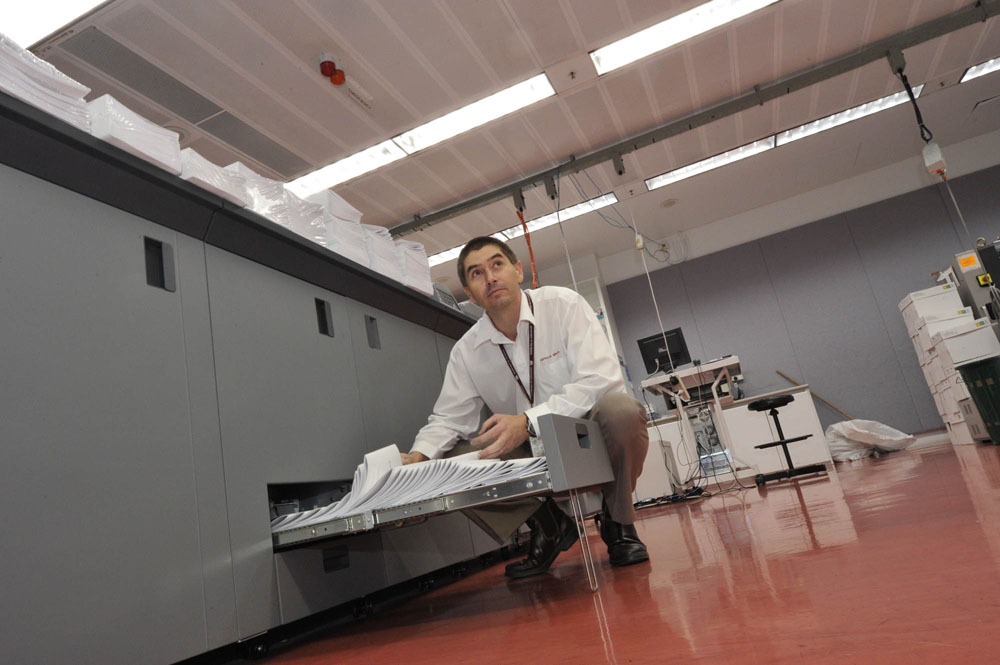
[{"x": 889, "y": 560}]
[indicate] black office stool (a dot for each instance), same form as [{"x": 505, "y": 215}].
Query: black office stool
[{"x": 771, "y": 405}]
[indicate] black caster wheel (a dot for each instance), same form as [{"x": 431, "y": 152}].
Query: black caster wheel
[
  {"x": 363, "y": 609},
  {"x": 257, "y": 648},
  {"x": 759, "y": 479}
]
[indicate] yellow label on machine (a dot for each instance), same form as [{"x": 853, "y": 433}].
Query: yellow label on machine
[{"x": 968, "y": 261}]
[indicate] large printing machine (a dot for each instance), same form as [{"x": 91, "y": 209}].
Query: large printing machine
[{"x": 177, "y": 370}]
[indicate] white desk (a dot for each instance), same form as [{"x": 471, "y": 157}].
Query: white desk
[
  {"x": 747, "y": 429},
  {"x": 703, "y": 375}
]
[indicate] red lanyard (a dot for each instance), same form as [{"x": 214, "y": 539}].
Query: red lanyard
[{"x": 531, "y": 359}]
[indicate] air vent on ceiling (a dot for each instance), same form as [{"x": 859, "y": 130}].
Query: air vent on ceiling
[
  {"x": 248, "y": 140},
  {"x": 96, "y": 48}
]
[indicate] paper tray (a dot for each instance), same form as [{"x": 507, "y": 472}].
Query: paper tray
[{"x": 477, "y": 496}]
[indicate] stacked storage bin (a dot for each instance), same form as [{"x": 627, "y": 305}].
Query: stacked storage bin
[{"x": 933, "y": 317}]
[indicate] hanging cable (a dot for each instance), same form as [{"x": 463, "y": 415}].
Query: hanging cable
[
  {"x": 925, "y": 133},
  {"x": 572, "y": 273},
  {"x": 961, "y": 217},
  {"x": 531, "y": 252}
]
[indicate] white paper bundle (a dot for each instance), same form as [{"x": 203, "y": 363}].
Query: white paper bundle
[
  {"x": 346, "y": 238},
  {"x": 270, "y": 199},
  {"x": 112, "y": 121},
  {"x": 335, "y": 205},
  {"x": 199, "y": 171},
  {"x": 381, "y": 481},
  {"x": 382, "y": 252},
  {"x": 38, "y": 83},
  {"x": 416, "y": 269}
]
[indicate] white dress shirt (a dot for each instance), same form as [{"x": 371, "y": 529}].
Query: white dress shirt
[{"x": 575, "y": 366}]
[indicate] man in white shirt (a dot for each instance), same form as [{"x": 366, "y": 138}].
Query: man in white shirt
[{"x": 535, "y": 352}]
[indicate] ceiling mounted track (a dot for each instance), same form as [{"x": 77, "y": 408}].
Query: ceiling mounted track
[{"x": 759, "y": 95}]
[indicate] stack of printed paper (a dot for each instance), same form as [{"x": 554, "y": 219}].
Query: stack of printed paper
[
  {"x": 342, "y": 222},
  {"x": 198, "y": 170},
  {"x": 416, "y": 269},
  {"x": 382, "y": 252},
  {"x": 38, "y": 83},
  {"x": 381, "y": 482},
  {"x": 270, "y": 199},
  {"x": 112, "y": 121}
]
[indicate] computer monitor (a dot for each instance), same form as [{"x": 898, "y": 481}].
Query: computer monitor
[{"x": 654, "y": 351}]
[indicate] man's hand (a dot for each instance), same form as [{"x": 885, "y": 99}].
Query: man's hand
[
  {"x": 501, "y": 434},
  {"x": 413, "y": 458}
]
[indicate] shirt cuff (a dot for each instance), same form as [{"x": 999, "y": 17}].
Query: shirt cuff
[
  {"x": 534, "y": 413},
  {"x": 429, "y": 451}
]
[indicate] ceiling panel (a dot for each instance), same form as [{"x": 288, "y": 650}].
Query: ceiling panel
[
  {"x": 549, "y": 123},
  {"x": 755, "y": 56},
  {"x": 846, "y": 27},
  {"x": 597, "y": 20},
  {"x": 802, "y": 28},
  {"x": 592, "y": 116},
  {"x": 546, "y": 29},
  {"x": 712, "y": 60},
  {"x": 489, "y": 29},
  {"x": 670, "y": 85},
  {"x": 628, "y": 94}
]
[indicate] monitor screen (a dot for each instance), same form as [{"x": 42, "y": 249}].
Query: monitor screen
[{"x": 654, "y": 351}]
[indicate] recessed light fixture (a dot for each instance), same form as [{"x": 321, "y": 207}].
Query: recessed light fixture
[
  {"x": 981, "y": 69},
  {"x": 673, "y": 31},
  {"x": 27, "y": 23},
  {"x": 837, "y": 119},
  {"x": 534, "y": 225},
  {"x": 347, "y": 168},
  {"x": 476, "y": 114},
  {"x": 734, "y": 155}
]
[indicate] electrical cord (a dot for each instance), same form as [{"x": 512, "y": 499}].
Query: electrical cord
[
  {"x": 925, "y": 133},
  {"x": 572, "y": 273}
]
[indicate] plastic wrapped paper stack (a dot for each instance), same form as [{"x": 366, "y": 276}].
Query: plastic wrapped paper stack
[
  {"x": 413, "y": 262},
  {"x": 112, "y": 121},
  {"x": 270, "y": 199},
  {"x": 342, "y": 222},
  {"x": 199, "y": 171},
  {"x": 382, "y": 252},
  {"x": 38, "y": 83}
]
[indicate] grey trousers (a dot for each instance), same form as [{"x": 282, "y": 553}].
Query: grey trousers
[{"x": 623, "y": 426}]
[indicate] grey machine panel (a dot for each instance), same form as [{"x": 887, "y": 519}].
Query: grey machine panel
[
  {"x": 102, "y": 562},
  {"x": 399, "y": 375},
  {"x": 576, "y": 452},
  {"x": 314, "y": 578},
  {"x": 288, "y": 405}
]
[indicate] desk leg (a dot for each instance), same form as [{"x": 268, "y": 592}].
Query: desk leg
[{"x": 581, "y": 529}]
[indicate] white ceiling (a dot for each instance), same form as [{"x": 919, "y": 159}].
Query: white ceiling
[{"x": 254, "y": 67}]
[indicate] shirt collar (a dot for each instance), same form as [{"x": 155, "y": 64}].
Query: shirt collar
[{"x": 487, "y": 332}]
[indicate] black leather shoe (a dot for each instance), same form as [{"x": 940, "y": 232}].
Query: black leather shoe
[
  {"x": 552, "y": 532},
  {"x": 624, "y": 546}
]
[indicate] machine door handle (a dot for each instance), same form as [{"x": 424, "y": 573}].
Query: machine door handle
[
  {"x": 371, "y": 328},
  {"x": 324, "y": 317},
  {"x": 160, "y": 271}
]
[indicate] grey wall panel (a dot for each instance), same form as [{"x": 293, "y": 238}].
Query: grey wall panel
[
  {"x": 422, "y": 548},
  {"x": 737, "y": 312},
  {"x": 288, "y": 406},
  {"x": 213, "y": 525},
  {"x": 399, "y": 382},
  {"x": 98, "y": 487},
  {"x": 899, "y": 240},
  {"x": 444, "y": 346},
  {"x": 839, "y": 320}
]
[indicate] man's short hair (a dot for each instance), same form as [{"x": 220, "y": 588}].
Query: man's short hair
[{"x": 478, "y": 243}]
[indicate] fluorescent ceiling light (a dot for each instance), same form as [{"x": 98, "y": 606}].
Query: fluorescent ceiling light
[
  {"x": 451, "y": 124},
  {"x": 27, "y": 23},
  {"x": 673, "y": 31},
  {"x": 476, "y": 114},
  {"x": 844, "y": 117},
  {"x": 715, "y": 162},
  {"x": 357, "y": 164},
  {"x": 517, "y": 231},
  {"x": 981, "y": 70}
]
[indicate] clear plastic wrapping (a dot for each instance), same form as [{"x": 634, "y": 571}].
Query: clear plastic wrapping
[
  {"x": 270, "y": 199},
  {"x": 38, "y": 83},
  {"x": 199, "y": 171},
  {"x": 346, "y": 238},
  {"x": 414, "y": 265},
  {"x": 335, "y": 205},
  {"x": 382, "y": 256},
  {"x": 112, "y": 121}
]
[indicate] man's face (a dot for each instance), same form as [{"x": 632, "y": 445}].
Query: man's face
[{"x": 493, "y": 281}]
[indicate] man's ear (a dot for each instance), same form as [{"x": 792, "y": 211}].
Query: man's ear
[
  {"x": 520, "y": 272},
  {"x": 469, "y": 294}
]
